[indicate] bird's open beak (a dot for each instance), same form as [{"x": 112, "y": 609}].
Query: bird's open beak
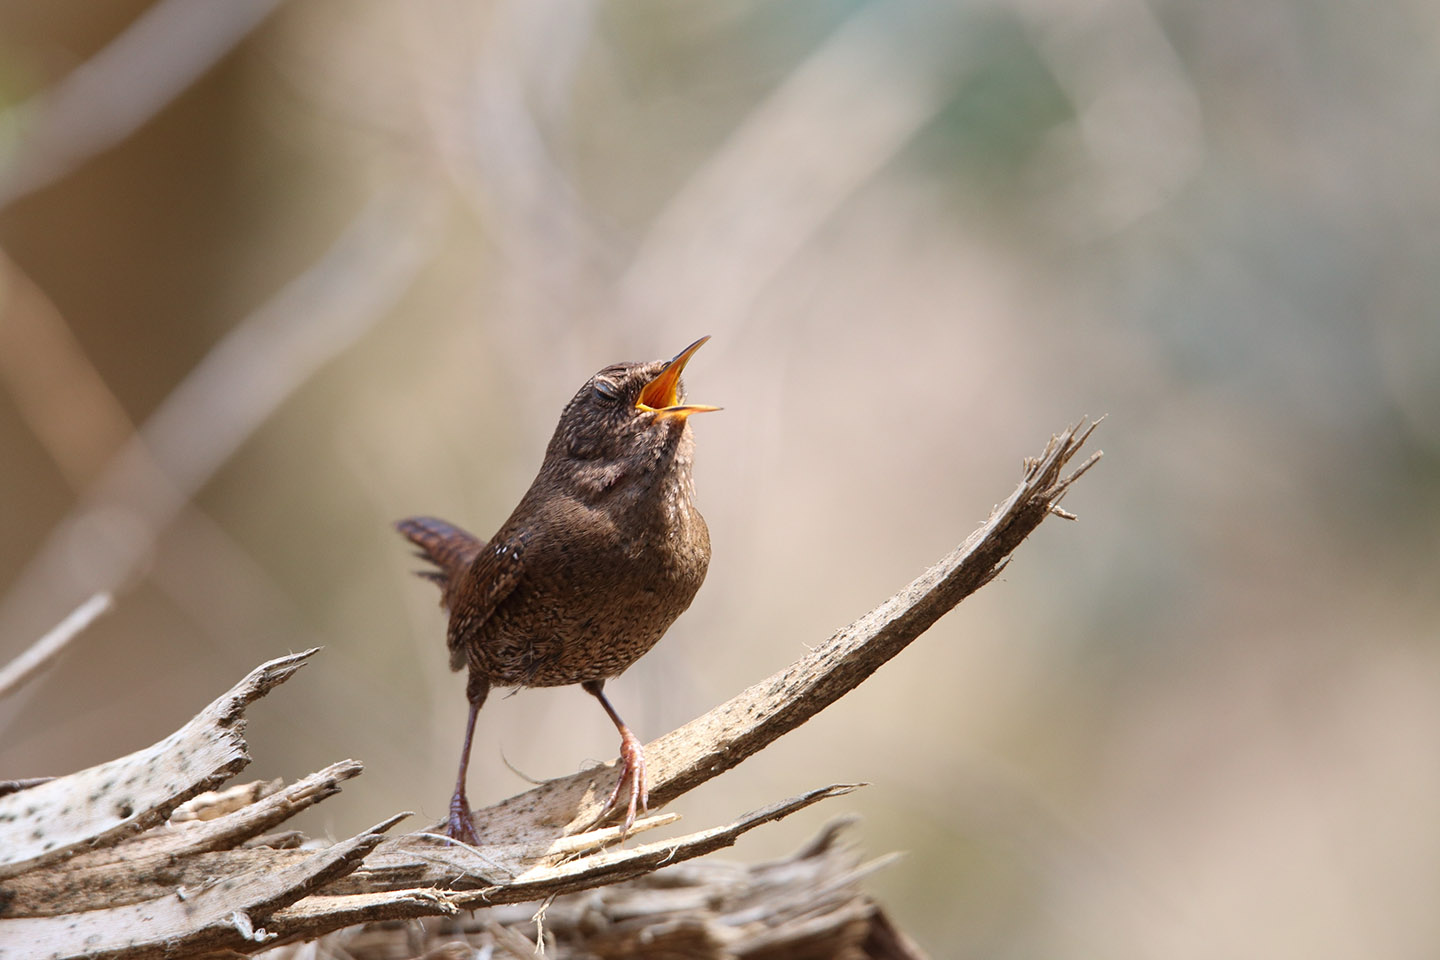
[{"x": 660, "y": 395}]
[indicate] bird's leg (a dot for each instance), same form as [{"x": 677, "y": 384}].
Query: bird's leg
[
  {"x": 459, "y": 825},
  {"x": 632, "y": 762}
]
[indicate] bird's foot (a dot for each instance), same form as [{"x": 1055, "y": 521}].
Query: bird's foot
[
  {"x": 632, "y": 774},
  {"x": 460, "y": 826}
]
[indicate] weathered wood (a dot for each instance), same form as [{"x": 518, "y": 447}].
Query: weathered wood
[
  {"x": 228, "y": 914},
  {"x": 398, "y": 866},
  {"x": 809, "y": 905},
  {"x": 321, "y": 914},
  {"x": 178, "y": 854},
  {"x": 75, "y": 880},
  {"x": 106, "y": 803}
]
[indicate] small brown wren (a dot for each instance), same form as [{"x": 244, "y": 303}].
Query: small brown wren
[{"x": 604, "y": 551}]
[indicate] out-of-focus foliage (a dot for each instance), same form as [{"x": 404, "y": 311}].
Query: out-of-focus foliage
[{"x": 1203, "y": 721}]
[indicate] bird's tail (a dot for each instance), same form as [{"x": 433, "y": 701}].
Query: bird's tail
[{"x": 449, "y": 548}]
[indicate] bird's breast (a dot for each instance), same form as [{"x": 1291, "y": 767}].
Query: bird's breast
[{"x": 602, "y": 584}]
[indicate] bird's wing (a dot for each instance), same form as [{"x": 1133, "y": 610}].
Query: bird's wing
[
  {"x": 491, "y": 577},
  {"x": 449, "y": 548}
]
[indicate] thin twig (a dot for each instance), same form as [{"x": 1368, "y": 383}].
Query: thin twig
[{"x": 24, "y": 667}]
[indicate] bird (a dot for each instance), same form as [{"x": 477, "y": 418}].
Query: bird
[{"x": 604, "y": 551}]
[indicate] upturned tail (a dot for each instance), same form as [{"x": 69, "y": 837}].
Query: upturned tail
[{"x": 449, "y": 548}]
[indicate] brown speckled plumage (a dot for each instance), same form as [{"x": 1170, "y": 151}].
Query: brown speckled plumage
[{"x": 603, "y": 552}]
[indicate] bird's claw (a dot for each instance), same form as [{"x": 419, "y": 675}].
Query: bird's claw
[
  {"x": 632, "y": 773},
  {"x": 459, "y": 825}
]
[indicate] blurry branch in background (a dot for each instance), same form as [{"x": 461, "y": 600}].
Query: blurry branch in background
[
  {"x": 835, "y": 121},
  {"x": 79, "y": 880},
  {"x": 19, "y": 670},
  {"x": 62, "y": 397},
  {"x": 222, "y": 401},
  {"x": 494, "y": 83},
  {"x": 845, "y": 111},
  {"x": 1137, "y": 112},
  {"x": 108, "y": 97},
  {"x": 494, "y": 146},
  {"x": 316, "y": 316}
]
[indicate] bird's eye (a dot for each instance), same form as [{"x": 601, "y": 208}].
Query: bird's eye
[{"x": 607, "y": 389}]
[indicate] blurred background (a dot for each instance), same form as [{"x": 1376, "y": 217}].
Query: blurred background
[{"x": 340, "y": 263}]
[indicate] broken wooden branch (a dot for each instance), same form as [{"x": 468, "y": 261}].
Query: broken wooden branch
[
  {"x": 226, "y": 914},
  {"x": 104, "y": 804},
  {"x": 809, "y": 904},
  {"x": 90, "y": 866}
]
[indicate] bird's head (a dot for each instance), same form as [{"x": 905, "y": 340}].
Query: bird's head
[{"x": 626, "y": 418}]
